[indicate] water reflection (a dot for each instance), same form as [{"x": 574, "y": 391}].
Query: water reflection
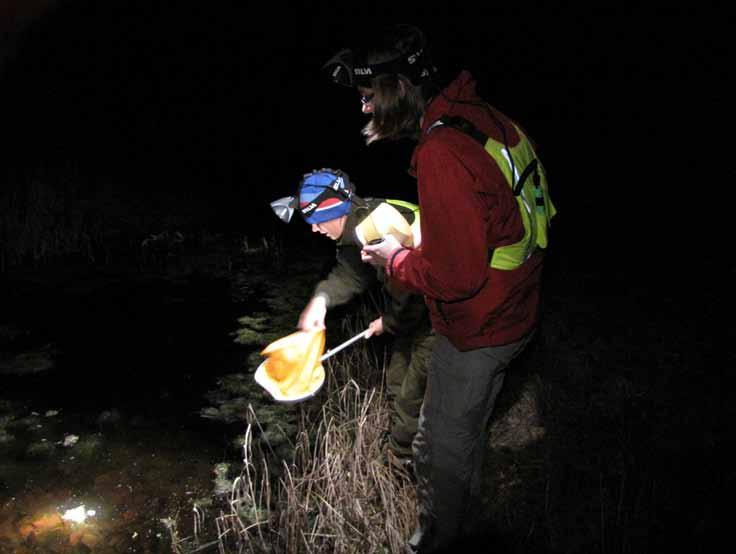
[{"x": 111, "y": 422}]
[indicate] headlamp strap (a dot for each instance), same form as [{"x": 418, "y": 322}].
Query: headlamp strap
[
  {"x": 338, "y": 189},
  {"x": 404, "y": 63}
]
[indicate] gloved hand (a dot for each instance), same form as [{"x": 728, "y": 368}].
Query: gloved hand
[
  {"x": 313, "y": 315},
  {"x": 379, "y": 254},
  {"x": 375, "y": 328}
]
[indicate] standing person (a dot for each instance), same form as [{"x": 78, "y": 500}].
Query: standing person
[
  {"x": 485, "y": 216},
  {"x": 327, "y": 201}
]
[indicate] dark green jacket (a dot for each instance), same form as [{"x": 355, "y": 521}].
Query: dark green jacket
[{"x": 405, "y": 313}]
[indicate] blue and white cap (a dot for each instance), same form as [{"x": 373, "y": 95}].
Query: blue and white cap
[{"x": 324, "y": 195}]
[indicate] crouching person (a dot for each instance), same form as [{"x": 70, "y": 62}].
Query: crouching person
[{"x": 327, "y": 201}]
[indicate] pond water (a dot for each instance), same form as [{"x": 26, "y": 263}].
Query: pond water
[{"x": 104, "y": 377}]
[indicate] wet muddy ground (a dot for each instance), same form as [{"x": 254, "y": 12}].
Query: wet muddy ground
[{"x": 105, "y": 378}]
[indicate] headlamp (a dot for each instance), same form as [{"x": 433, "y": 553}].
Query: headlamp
[
  {"x": 340, "y": 68},
  {"x": 284, "y": 208}
]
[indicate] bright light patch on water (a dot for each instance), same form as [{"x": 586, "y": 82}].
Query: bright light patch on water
[{"x": 78, "y": 514}]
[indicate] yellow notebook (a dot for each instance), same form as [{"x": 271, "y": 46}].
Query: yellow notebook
[{"x": 385, "y": 220}]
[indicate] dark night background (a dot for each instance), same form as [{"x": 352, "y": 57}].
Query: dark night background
[
  {"x": 194, "y": 115},
  {"x": 214, "y": 109}
]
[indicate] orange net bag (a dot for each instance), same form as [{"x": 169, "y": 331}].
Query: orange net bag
[{"x": 293, "y": 362}]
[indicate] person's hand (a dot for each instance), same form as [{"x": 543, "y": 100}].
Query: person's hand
[
  {"x": 313, "y": 315},
  {"x": 375, "y": 329},
  {"x": 379, "y": 254}
]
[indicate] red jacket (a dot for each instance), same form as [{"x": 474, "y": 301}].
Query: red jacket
[{"x": 467, "y": 208}]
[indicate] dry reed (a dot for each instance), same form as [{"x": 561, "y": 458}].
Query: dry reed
[{"x": 337, "y": 494}]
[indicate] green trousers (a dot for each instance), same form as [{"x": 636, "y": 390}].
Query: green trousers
[{"x": 406, "y": 379}]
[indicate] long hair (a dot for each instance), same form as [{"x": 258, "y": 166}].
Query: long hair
[{"x": 398, "y": 103}]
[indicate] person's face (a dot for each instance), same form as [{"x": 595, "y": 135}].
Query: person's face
[
  {"x": 332, "y": 228},
  {"x": 366, "y": 99}
]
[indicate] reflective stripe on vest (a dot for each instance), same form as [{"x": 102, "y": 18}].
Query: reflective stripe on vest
[{"x": 415, "y": 228}]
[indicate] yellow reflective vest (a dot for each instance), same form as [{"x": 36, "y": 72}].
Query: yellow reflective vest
[{"x": 528, "y": 181}]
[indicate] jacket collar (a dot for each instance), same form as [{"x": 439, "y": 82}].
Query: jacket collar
[{"x": 461, "y": 89}]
